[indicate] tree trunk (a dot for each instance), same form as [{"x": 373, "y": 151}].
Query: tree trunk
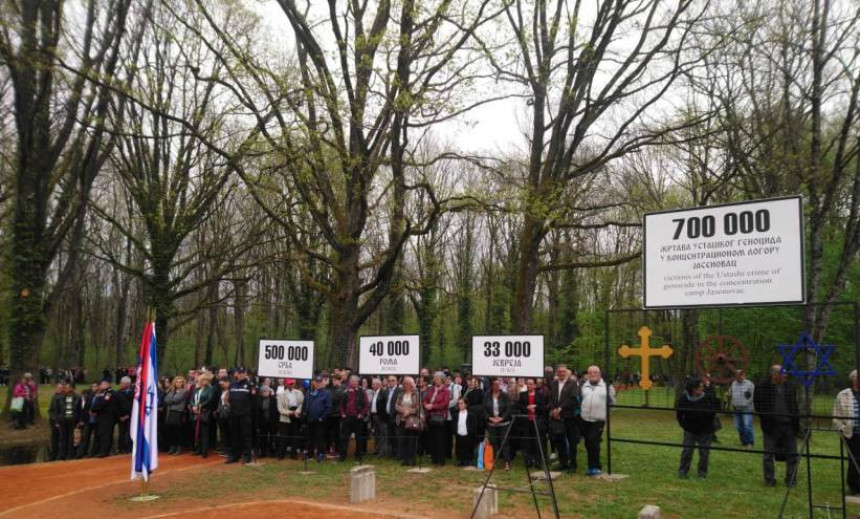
[
  {"x": 239, "y": 321},
  {"x": 28, "y": 274},
  {"x": 343, "y": 306},
  {"x": 526, "y": 275}
]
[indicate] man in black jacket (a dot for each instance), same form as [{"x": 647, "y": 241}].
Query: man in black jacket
[
  {"x": 124, "y": 400},
  {"x": 775, "y": 401},
  {"x": 241, "y": 407},
  {"x": 104, "y": 407},
  {"x": 695, "y": 413},
  {"x": 392, "y": 442},
  {"x": 565, "y": 399},
  {"x": 87, "y": 420},
  {"x": 333, "y": 421}
]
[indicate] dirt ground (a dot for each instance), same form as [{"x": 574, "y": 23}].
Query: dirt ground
[{"x": 101, "y": 488}]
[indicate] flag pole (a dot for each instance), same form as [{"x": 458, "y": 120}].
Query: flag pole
[{"x": 147, "y": 375}]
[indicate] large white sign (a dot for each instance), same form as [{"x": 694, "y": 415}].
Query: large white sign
[
  {"x": 507, "y": 356},
  {"x": 389, "y": 355},
  {"x": 286, "y": 359},
  {"x": 735, "y": 254}
]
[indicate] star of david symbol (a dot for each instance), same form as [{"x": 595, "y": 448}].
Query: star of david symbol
[
  {"x": 822, "y": 354},
  {"x": 149, "y": 401}
]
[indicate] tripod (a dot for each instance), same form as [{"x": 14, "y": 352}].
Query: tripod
[{"x": 549, "y": 492}]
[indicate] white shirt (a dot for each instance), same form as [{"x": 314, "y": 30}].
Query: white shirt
[
  {"x": 561, "y": 387},
  {"x": 292, "y": 399},
  {"x": 462, "y": 430},
  {"x": 373, "y": 402}
]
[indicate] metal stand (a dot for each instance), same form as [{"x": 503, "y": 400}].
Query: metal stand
[{"x": 550, "y": 492}]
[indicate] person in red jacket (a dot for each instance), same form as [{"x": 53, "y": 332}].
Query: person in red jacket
[{"x": 436, "y": 402}]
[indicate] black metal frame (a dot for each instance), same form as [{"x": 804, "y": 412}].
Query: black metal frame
[
  {"x": 543, "y": 461},
  {"x": 808, "y": 455}
]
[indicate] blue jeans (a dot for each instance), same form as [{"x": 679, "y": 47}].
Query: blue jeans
[{"x": 744, "y": 424}]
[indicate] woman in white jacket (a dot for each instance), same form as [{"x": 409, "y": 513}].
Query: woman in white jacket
[
  {"x": 290, "y": 402},
  {"x": 594, "y": 399},
  {"x": 846, "y": 419}
]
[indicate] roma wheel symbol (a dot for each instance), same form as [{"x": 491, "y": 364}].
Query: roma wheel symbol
[{"x": 721, "y": 356}]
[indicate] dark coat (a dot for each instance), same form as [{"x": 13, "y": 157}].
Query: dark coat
[
  {"x": 474, "y": 422},
  {"x": 317, "y": 405},
  {"x": 763, "y": 399},
  {"x": 697, "y": 416},
  {"x": 505, "y": 407},
  {"x": 570, "y": 399},
  {"x": 124, "y": 400},
  {"x": 541, "y": 407},
  {"x": 104, "y": 407},
  {"x": 57, "y": 409},
  {"x": 384, "y": 400}
]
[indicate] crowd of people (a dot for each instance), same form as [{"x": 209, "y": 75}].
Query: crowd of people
[{"x": 444, "y": 415}]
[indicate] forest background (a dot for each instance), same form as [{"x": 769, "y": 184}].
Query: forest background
[{"x": 320, "y": 170}]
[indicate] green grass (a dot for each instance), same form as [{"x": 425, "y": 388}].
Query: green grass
[{"x": 734, "y": 487}]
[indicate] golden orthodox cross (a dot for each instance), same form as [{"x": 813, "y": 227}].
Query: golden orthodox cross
[{"x": 645, "y": 351}]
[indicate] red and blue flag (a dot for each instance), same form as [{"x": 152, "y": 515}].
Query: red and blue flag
[{"x": 144, "y": 414}]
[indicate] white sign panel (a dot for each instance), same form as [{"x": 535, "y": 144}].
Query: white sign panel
[
  {"x": 389, "y": 355},
  {"x": 286, "y": 359},
  {"x": 736, "y": 254},
  {"x": 507, "y": 356}
]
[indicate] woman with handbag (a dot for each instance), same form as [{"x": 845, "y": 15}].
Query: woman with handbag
[
  {"x": 19, "y": 402},
  {"x": 174, "y": 400},
  {"x": 497, "y": 407},
  {"x": 436, "y": 406},
  {"x": 408, "y": 421},
  {"x": 201, "y": 407}
]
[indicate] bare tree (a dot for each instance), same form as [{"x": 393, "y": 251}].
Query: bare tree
[
  {"x": 61, "y": 143},
  {"x": 592, "y": 73}
]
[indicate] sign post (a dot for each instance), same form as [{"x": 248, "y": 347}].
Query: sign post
[
  {"x": 507, "y": 355},
  {"x": 286, "y": 359},
  {"x": 733, "y": 254}
]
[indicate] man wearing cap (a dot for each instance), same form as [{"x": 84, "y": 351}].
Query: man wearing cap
[
  {"x": 316, "y": 408},
  {"x": 241, "y": 405},
  {"x": 104, "y": 407},
  {"x": 290, "y": 402}
]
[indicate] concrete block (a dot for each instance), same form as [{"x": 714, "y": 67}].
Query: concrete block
[
  {"x": 612, "y": 477},
  {"x": 541, "y": 476},
  {"x": 362, "y": 485},
  {"x": 649, "y": 512},
  {"x": 489, "y": 502}
]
